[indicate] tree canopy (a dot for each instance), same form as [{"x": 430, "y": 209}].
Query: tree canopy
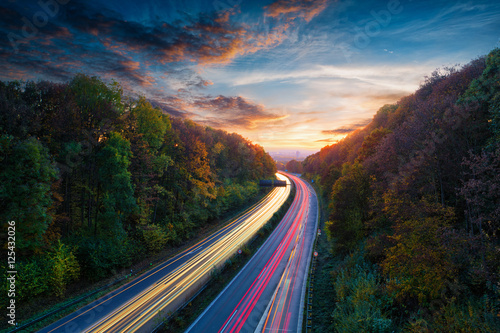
[
  {"x": 415, "y": 195},
  {"x": 96, "y": 180}
]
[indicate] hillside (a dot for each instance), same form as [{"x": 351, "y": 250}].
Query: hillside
[
  {"x": 95, "y": 181},
  {"x": 413, "y": 201}
]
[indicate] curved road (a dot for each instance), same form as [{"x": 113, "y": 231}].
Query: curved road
[
  {"x": 284, "y": 311},
  {"x": 266, "y": 295},
  {"x": 135, "y": 306}
]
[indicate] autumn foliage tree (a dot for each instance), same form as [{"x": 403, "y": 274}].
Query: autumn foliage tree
[
  {"x": 294, "y": 166},
  {"x": 417, "y": 197},
  {"x": 96, "y": 180}
]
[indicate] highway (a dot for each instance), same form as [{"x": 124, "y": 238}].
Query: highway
[
  {"x": 284, "y": 310},
  {"x": 267, "y": 294},
  {"x": 135, "y": 306}
]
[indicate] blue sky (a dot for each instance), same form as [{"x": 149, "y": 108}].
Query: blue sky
[{"x": 286, "y": 74}]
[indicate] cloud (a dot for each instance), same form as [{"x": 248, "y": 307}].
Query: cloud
[
  {"x": 176, "y": 105},
  {"x": 340, "y": 130},
  {"x": 225, "y": 112},
  {"x": 138, "y": 54},
  {"x": 292, "y": 9},
  {"x": 205, "y": 39},
  {"x": 347, "y": 129},
  {"x": 234, "y": 112},
  {"x": 453, "y": 20},
  {"x": 307, "y": 113},
  {"x": 172, "y": 105},
  {"x": 387, "y": 96},
  {"x": 399, "y": 77},
  {"x": 328, "y": 140},
  {"x": 185, "y": 78},
  {"x": 58, "y": 50}
]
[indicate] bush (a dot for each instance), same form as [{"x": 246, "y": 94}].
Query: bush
[
  {"x": 32, "y": 279},
  {"x": 64, "y": 268},
  {"x": 100, "y": 257},
  {"x": 154, "y": 237},
  {"x": 47, "y": 274},
  {"x": 473, "y": 316},
  {"x": 359, "y": 305}
]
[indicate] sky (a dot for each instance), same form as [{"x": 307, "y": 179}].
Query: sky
[{"x": 286, "y": 74}]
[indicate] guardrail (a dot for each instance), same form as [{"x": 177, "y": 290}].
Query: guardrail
[
  {"x": 71, "y": 303},
  {"x": 310, "y": 290},
  {"x": 312, "y": 270}
]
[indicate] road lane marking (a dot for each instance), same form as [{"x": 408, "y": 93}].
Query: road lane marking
[{"x": 222, "y": 330}]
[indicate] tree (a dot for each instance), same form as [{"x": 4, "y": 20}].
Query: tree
[
  {"x": 26, "y": 175},
  {"x": 294, "y": 166},
  {"x": 17, "y": 117},
  {"x": 348, "y": 207},
  {"x": 419, "y": 265},
  {"x": 126, "y": 175},
  {"x": 485, "y": 90},
  {"x": 64, "y": 268},
  {"x": 370, "y": 143},
  {"x": 481, "y": 191},
  {"x": 115, "y": 183},
  {"x": 154, "y": 237},
  {"x": 151, "y": 123}
]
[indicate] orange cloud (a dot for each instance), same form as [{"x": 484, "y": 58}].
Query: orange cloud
[
  {"x": 223, "y": 42},
  {"x": 292, "y": 9},
  {"x": 131, "y": 65},
  {"x": 347, "y": 129},
  {"x": 233, "y": 112}
]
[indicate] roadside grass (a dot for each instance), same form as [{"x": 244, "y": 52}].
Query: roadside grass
[
  {"x": 323, "y": 293},
  {"x": 182, "y": 318},
  {"x": 31, "y": 312}
]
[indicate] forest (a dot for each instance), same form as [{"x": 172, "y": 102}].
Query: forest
[
  {"x": 95, "y": 180},
  {"x": 292, "y": 166},
  {"x": 414, "y": 209}
]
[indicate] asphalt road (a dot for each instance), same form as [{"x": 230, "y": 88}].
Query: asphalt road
[
  {"x": 135, "y": 306},
  {"x": 284, "y": 311},
  {"x": 266, "y": 294}
]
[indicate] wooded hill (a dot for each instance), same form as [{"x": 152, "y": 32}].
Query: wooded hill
[
  {"x": 414, "y": 204},
  {"x": 95, "y": 180}
]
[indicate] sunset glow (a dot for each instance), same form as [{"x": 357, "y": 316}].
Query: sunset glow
[{"x": 285, "y": 74}]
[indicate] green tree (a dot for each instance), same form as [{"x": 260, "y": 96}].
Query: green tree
[
  {"x": 94, "y": 94},
  {"x": 26, "y": 175},
  {"x": 348, "y": 207},
  {"x": 115, "y": 182},
  {"x": 64, "y": 268},
  {"x": 127, "y": 175},
  {"x": 485, "y": 90},
  {"x": 154, "y": 237},
  {"x": 359, "y": 304},
  {"x": 151, "y": 123}
]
